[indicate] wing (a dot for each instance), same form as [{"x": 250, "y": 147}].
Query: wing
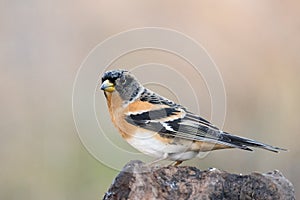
[
  {"x": 169, "y": 119},
  {"x": 174, "y": 122},
  {"x": 151, "y": 97}
]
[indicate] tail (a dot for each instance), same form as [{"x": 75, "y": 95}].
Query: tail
[{"x": 245, "y": 143}]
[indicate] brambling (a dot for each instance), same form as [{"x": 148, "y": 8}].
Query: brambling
[{"x": 162, "y": 128}]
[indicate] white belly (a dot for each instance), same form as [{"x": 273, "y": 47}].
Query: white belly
[{"x": 148, "y": 144}]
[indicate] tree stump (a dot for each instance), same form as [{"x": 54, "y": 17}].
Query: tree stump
[{"x": 140, "y": 181}]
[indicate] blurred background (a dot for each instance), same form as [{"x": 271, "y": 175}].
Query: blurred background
[{"x": 255, "y": 44}]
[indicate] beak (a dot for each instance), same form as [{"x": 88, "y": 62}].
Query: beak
[{"x": 107, "y": 86}]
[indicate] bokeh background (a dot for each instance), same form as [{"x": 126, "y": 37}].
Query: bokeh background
[{"x": 255, "y": 44}]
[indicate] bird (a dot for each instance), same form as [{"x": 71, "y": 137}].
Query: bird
[{"x": 161, "y": 128}]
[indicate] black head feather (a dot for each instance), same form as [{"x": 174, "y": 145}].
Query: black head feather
[
  {"x": 126, "y": 85},
  {"x": 112, "y": 75}
]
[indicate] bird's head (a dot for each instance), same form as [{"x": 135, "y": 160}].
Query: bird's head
[{"x": 122, "y": 82}]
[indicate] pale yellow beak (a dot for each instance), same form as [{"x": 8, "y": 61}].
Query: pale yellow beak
[{"x": 107, "y": 86}]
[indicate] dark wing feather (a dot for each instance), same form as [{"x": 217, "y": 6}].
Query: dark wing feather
[
  {"x": 187, "y": 126},
  {"x": 151, "y": 97},
  {"x": 155, "y": 120}
]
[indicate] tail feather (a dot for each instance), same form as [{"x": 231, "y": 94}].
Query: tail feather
[{"x": 245, "y": 143}]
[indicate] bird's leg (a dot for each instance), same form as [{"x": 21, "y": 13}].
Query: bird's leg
[
  {"x": 176, "y": 163},
  {"x": 165, "y": 156}
]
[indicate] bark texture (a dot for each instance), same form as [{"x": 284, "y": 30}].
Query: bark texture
[{"x": 139, "y": 181}]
